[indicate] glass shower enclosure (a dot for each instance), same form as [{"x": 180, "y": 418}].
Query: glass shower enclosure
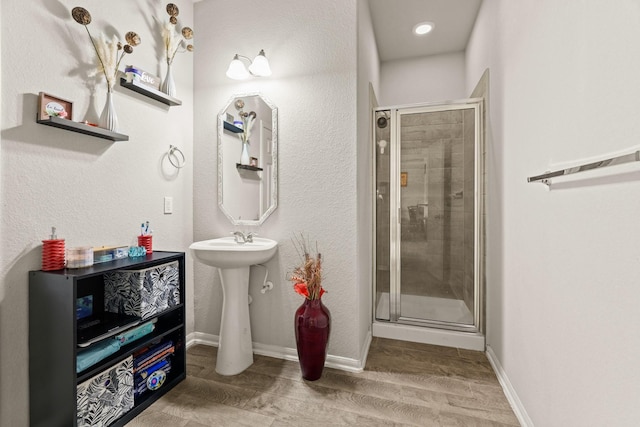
[{"x": 428, "y": 214}]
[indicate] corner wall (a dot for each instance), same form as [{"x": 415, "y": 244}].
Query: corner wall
[
  {"x": 562, "y": 265},
  {"x": 368, "y": 80},
  {"x": 94, "y": 191}
]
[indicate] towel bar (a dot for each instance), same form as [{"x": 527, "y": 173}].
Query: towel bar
[{"x": 625, "y": 158}]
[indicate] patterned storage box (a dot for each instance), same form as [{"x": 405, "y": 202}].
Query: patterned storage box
[
  {"x": 106, "y": 397},
  {"x": 142, "y": 293}
]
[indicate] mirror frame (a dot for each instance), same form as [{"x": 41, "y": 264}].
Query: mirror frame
[{"x": 274, "y": 156}]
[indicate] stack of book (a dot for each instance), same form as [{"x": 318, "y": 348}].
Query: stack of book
[
  {"x": 137, "y": 74},
  {"x": 151, "y": 366}
]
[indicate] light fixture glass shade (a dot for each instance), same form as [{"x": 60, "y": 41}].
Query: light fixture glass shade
[
  {"x": 260, "y": 65},
  {"x": 237, "y": 70}
]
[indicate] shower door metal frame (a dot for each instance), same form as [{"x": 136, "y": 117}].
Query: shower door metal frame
[{"x": 395, "y": 218}]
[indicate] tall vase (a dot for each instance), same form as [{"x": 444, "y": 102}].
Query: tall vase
[
  {"x": 312, "y": 326},
  {"x": 168, "y": 85},
  {"x": 244, "y": 157},
  {"x": 108, "y": 118}
]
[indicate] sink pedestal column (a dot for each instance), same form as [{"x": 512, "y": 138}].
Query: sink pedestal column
[{"x": 235, "y": 349}]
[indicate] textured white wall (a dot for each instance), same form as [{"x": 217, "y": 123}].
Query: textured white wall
[
  {"x": 368, "y": 77},
  {"x": 94, "y": 191},
  {"x": 563, "y": 265},
  {"x": 425, "y": 79},
  {"x": 312, "y": 51}
]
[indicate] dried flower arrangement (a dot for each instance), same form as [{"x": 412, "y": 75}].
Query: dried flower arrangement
[
  {"x": 247, "y": 121},
  {"x": 307, "y": 278},
  {"x": 106, "y": 50},
  {"x": 173, "y": 42}
]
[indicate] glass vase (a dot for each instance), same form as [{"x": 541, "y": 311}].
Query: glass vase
[
  {"x": 168, "y": 85},
  {"x": 312, "y": 327},
  {"x": 108, "y": 118}
]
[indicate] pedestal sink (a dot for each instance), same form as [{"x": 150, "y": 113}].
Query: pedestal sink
[{"x": 235, "y": 351}]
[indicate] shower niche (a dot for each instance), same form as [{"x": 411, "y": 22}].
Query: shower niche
[{"x": 428, "y": 214}]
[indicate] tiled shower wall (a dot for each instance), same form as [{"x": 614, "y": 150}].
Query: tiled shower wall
[
  {"x": 436, "y": 139},
  {"x": 444, "y": 141},
  {"x": 383, "y": 218}
]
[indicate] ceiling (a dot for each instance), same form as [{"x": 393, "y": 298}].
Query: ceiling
[{"x": 393, "y": 22}]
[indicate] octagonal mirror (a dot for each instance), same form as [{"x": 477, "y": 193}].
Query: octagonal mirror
[{"x": 247, "y": 159}]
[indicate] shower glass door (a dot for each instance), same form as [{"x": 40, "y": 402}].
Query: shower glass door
[{"x": 427, "y": 227}]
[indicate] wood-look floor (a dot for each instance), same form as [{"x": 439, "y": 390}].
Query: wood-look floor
[{"x": 403, "y": 384}]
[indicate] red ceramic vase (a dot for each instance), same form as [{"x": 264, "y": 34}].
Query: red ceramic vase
[{"x": 312, "y": 325}]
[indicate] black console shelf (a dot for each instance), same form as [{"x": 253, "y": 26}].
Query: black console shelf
[{"x": 53, "y": 339}]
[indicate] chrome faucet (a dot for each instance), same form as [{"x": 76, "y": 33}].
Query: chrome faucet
[{"x": 242, "y": 238}]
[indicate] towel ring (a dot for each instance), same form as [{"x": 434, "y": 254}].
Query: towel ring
[{"x": 174, "y": 159}]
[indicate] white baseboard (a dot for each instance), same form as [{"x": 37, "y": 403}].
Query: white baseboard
[
  {"x": 509, "y": 391},
  {"x": 194, "y": 338},
  {"x": 286, "y": 353},
  {"x": 364, "y": 351}
]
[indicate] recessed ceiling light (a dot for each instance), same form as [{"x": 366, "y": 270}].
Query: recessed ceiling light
[{"x": 423, "y": 28}]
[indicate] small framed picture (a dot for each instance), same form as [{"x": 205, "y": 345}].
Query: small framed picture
[
  {"x": 52, "y": 106},
  {"x": 253, "y": 162},
  {"x": 403, "y": 179}
]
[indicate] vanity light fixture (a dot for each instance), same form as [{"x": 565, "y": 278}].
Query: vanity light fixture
[
  {"x": 259, "y": 67},
  {"x": 423, "y": 28}
]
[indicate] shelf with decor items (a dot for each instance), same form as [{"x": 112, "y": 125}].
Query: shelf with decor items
[
  {"x": 58, "y": 112},
  {"x": 232, "y": 128},
  {"x": 83, "y": 128},
  {"x": 248, "y": 167},
  {"x": 150, "y": 92},
  {"x": 73, "y": 379}
]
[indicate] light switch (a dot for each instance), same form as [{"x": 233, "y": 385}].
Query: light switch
[{"x": 168, "y": 205}]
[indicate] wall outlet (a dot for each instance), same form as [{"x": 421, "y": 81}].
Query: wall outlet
[{"x": 168, "y": 205}]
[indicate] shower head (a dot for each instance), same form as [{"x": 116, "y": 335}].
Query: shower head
[{"x": 383, "y": 119}]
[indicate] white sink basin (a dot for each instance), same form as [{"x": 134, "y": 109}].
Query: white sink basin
[
  {"x": 224, "y": 252},
  {"x": 235, "y": 350}
]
